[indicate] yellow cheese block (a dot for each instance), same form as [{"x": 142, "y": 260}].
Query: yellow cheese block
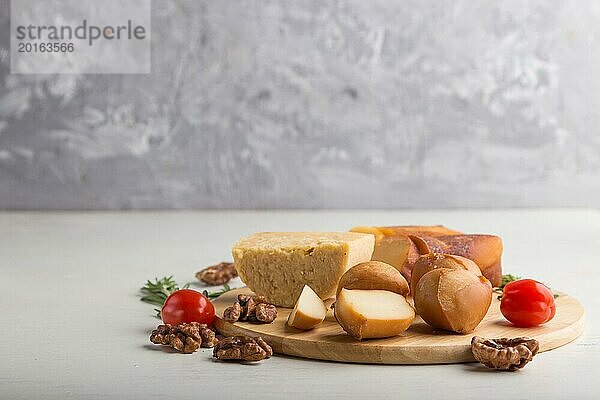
[{"x": 277, "y": 265}]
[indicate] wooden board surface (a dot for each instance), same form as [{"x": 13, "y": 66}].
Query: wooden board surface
[{"x": 420, "y": 344}]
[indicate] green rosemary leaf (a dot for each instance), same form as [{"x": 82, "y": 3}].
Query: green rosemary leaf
[
  {"x": 506, "y": 279},
  {"x": 213, "y": 295},
  {"x": 156, "y": 292}
]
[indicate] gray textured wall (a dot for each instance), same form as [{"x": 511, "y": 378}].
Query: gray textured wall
[{"x": 320, "y": 104}]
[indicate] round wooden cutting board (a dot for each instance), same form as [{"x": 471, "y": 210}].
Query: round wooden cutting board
[{"x": 420, "y": 344}]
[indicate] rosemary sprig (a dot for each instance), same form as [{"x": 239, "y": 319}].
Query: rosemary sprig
[
  {"x": 213, "y": 295},
  {"x": 506, "y": 279},
  {"x": 156, "y": 292}
]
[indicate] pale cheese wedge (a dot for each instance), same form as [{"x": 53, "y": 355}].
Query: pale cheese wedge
[
  {"x": 309, "y": 310},
  {"x": 277, "y": 265}
]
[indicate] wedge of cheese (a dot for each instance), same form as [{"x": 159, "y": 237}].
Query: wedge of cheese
[
  {"x": 309, "y": 310},
  {"x": 277, "y": 265}
]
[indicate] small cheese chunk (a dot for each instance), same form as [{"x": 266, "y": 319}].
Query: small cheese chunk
[
  {"x": 309, "y": 310},
  {"x": 367, "y": 314},
  {"x": 277, "y": 265}
]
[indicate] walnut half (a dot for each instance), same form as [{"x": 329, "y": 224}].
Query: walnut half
[
  {"x": 504, "y": 354},
  {"x": 251, "y": 308},
  {"x": 217, "y": 274},
  {"x": 242, "y": 348},
  {"x": 186, "y": 338}
]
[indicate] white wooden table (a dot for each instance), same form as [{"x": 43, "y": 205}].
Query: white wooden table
[{"x": 74, "y": 326}]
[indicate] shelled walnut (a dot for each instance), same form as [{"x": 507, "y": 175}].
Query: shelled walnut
[
  {"x": 186, "y": 338},
  {"x": 504, "y": 353},
  {"x": 217, "y": 274},
  {"x": 242, "y": 348},
  {"x": 252, "y": 309},
  {"x": 265, "y": 313}
]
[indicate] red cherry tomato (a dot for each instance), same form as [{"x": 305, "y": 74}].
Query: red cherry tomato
[
  {"x": 186, "y": 305},
  {"x": 527, "y": 303}
]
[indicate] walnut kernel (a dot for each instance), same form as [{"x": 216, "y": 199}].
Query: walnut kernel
[
  {"x": 242, "y": 348},
  {"x": 186, "y": 338},
  {"x": 504, "y": 354},
  {"x": 217, "y": 274},
  {"x": 251, "y": 308}
]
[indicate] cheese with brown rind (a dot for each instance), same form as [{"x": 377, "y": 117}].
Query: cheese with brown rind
[
  {"x": 368, "y": 314},
  {"x": 277, "y": 265},
  {"x": 401, "y": 246}
]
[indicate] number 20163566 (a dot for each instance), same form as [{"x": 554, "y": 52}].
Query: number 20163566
[{"x": 45, "y": 47}]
